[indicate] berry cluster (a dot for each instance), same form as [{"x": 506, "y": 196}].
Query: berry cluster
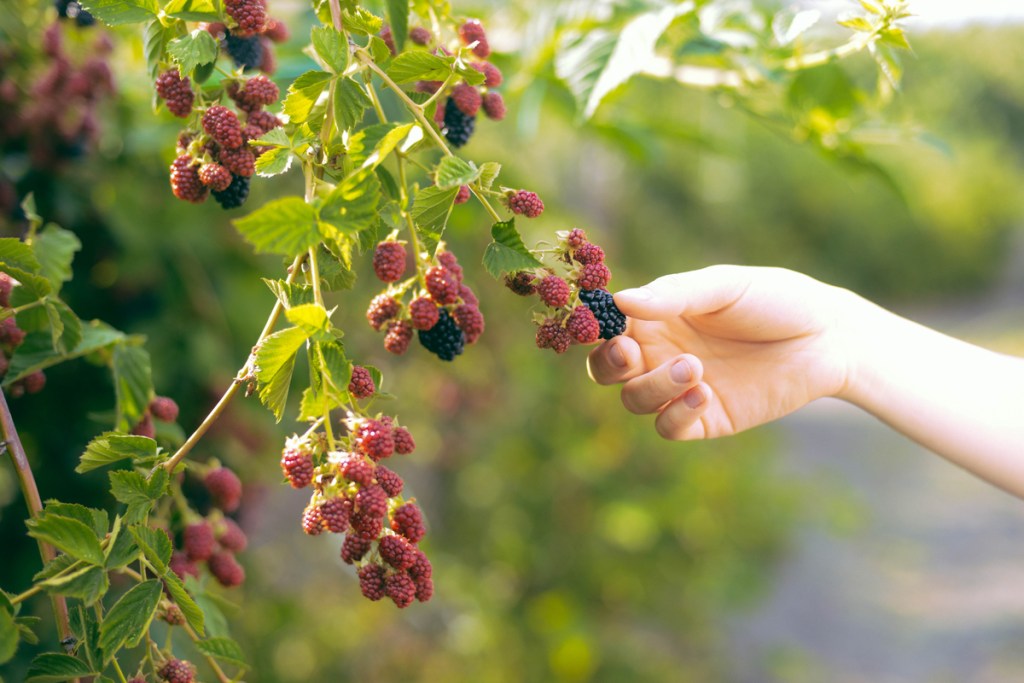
[
  {"x": 579, "y": 308},
  {"x": 458, "y": 107},
  {"x": 443, "y": 312},
  {"x": 11, "y": 337},
  {"x": 356, "y": 495},
  {"x": 215, "y": 157},
  {"x": 53, "y": 120},
  {"x": 176, "y": 671},
  {"x": 216, "y": 538},
  {"x": 162, "y": 409},
  {"x": 248, "y": 39}
]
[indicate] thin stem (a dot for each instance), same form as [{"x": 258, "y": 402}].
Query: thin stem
[
  {"x": 28, "y": 306},
  {"x": 221, "y": 676},
  {"x": 12, "y": 444},
  {"x": 20, "y": 597},
  {"x": 486, "y": 204},
  {"x": 218, "y": 409},
  {"x": 117, "y": 668}
]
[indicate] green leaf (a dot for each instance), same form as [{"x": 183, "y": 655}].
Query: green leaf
[
  {"x": 55, "y": 249},
  {"x": 215, "y": 621},
  {"x": 352, "y": 205},
  {"x": 129, "y": 618},
  {"x": 53, "y": 567},
  {"x": 193, "y": 614},
  {"x": 379, "y": 51},
  {"x": 135, "y": 491},
  {"x": 285, "y": 226},
  {"x": 489, "y": 173},
  {"x": 335, "y": 273},
  {"x": 155, "y": 545},
  {"x": 275, "y": 361},
  {"x": 274, "y": 162},
  {"x": 18, "y": 260},
  {"x": 37, "y": 352},
  {"x": 123, "y": 549},
  {"x": 313, "y": 319},
  {"x": 87, "y": 629},
  {"x": 398, "y": 18},
  {"x": 335, "y": 372},
  {"x": 430, "y": 210},
  {"x": 224, "y": 649},
  {"x": 133, "y": 384},
  {"x": 857, "y": 24},
  {"x": 68, "y": 535},
  {"x": 154, "y": 39},
  {"x": 193, "y": 49},
  {"x": 895, "y": 37},
  {"x": 273, "y": 138},
  {"x": 111, "y": 447},
  {"x": 55, "y": 668},
  {"x": 88, "y": 584},
  {"x": 454, "y": 172},
  {"x": 95, "y": 519},
  {"x": 359, "y": 20},
  {"x": 594, "y": 63},
  {"x": 65, "y": 327},
  {"x": 419, "y": 66},
  {"x": 290, "y": 294},
  {"x": 303, "y": 94},
  {"x": 507, "y": 253},
  {"x": 370, "y": 146},
  {"x": 332, "y": 47},
  {"x": 872, "y": 6},
  {"x": 26, "y": 628},
  {"x": 8, "y": 636},
  {"x": 117, "y": 12},
  {"x": 350, "y": 101},
  {"x": 193, "y": 10}
]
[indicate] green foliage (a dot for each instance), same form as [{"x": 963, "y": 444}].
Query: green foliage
[{"x": 507, "y": 253}]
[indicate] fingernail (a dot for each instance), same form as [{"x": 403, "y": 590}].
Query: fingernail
[
  {"x": 680, "y": 372},
  {"x": 638, "y": 294},
  {"x": 617, "y": 357},
  {"x": 694, "y": 397}
]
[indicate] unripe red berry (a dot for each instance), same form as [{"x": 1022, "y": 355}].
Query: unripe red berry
[
  {"x": 389, "y": 261},
  {"x": 215, "y": 177},
  {"x": 493, "y": 105},
  {"x": 470, "y": 320},
  {"x": 230, "y": 536},
  {"x": 356, "y": 469},
  {"x": 525, "y": 203},
  {"x": 463, "y": 195},
  {"x": 221, "y": 124},
  {"x": 176, "y": 92},
  {"x": 492, "y": 74},
  {"x": 336, "y": 513},
  {"x": 420, "y": 35},
  {"x": 576, "y": 238},
  {"x": 173, "y": 615},
  {"x": 259, "y": 91},
  {"x": 423, "y": 313},
  {"x": 382, "y": 309},
  {"x": 372, "y": 501},
  {"x": 353, "y": 548},
  {"x": 297, "y": 464},
  {"x": 251, "y": 15},
  {"x": 551, "y": 335},
  {"x": 263, "y": 120},
  {"x": 144, "y": 427},
  {"x": 389, "y": 39},
  {"x": 361, "y": 385},
  {"x": 451, "y": 262},
  {"x": 276, "y": 30},
  {"x": 553, "y": 291},
  {"x": 442, "y": 285},
  {"x": 182, "y": 566},
  {"x": 583, "y": 326},
  {"x": 404, "y": 444},
  {"x": 312, "y": 520},
  {"x": 588, "y": 253},
  {"x": 389, "y": 481},
  {"x": 367, "y": 526},
  {"x": 424, "y": 588},
  {"x": 198, "y": 541},
  {"x": 241, "y": 161},
  {"x": 397, "y": 339},
  {"x": 397, "y": 551},
  {"x": 34, "y": 382},
  {"x": 373, "y": 438},
  {"x": 225, "y": 488},
  {"x": 226, "y": 570},
  {"x": 185, "y": 182},
  {"x": 467, "y": 98},
  {"x": 594, "y": 276},
  {"x": 421, "y": 567},
  {"x": 400, "y": 588},
  {"x": 408, "y": 521},
  {"x": 522, "y": 283},
  {"x": 6, "y": 286},
  {"x": 176, "y": 671},
  {"x": 371, "y": 581},
  {"x": 467, "y": 296},
  {"x": 472, "y": 32}
]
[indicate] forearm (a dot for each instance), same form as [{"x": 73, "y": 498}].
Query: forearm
[{"x": 961, "y": 401}]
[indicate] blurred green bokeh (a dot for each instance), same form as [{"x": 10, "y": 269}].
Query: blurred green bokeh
[{"x": 569, "y": 542}]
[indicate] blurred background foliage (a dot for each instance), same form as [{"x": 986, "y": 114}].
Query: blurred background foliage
[{"x": 569, "y": 542}]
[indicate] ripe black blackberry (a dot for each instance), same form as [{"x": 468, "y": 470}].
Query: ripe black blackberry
[
  {"x": 458, "y": 127},
  {"x": 445, "y": 339},
  {"x": 609, "y": 317},
  {"x": 245, "y": 51},
  {"x": 235, "y": 195}
]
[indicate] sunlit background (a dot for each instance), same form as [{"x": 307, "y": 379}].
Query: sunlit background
[{"x": 569, "y": 542}]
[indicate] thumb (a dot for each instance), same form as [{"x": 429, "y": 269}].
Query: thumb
[{"x": 695, "y": 292}]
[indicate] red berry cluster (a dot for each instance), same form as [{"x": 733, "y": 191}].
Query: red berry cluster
[
  {"x": 355, "y": 495},
  {"x": 11, "y": 337},
  {"x": 177, "y": 671},
  {"x": 248, "y": 39},
  {"x": 568, "y": 317},
  {"x": 54, "y": 119},
  {"x": 162, "y": 409},
  {"x": 444, "y": 311}
]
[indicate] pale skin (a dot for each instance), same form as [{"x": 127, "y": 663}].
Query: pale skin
[{"x": 717, "y": 351}]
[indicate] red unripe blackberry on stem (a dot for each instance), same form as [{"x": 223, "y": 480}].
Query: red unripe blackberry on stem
[
  {"x": 6, "y": 286},
  {"x": 164, "y": 408},
  {"x": 576, "y": 238},
  {"x": 144, "y": 427},
  {"x": 492, "y": 74},
  {"x": 241, "y": 162},
  {"x": 268, "y": 62},
  {"x": 473, "y": 32},
  {"x": 353, "y": 548},
  {"x": 525, "y": 203},
  {"x": 583, "y": 326},
  {"x": 198, "y": 541},
  {"x": 312, "y": 520},
  {"x": 522, "y": 283},
  {"x": 10, "y": 333},
  {"x": 336, "y": 513},
  {"x": 367, "y": 526},
  {"x": 470, "y": 320},
  {"x": 176, "y": 92},
  {"x": 400, "y": 588},
  {"x": 356, "y": 469},
  {"x": 551, "y": 335},
  {"x": 263, "y": 120},
  {"x": 389, "y": 261},
  {"x": 251, "y": 15},
  {"x": 258, "y": 91},
  {"x": 389, "y": 481},
  {"x": 442, "y": 285},
  {"x": 421, "y": 567},
  {"x": 594, "y": 276},
  {"x": 553, "y": 291},
  {"x": 397, "y": 551},
  {"x": 34, "y": 382},
  {"x": 215, "y": 177},
  {"x": 404, "y": 444},
  {"x": 424, "y": 588},
  {"x": 230, "y": 536},
  {"x": 372, "y": 501},
  {"x": 225, "y": 488},
  {"x": 493, "y": 105},
  {"x": 397, "y": 339},
  {"x": 407, "y": 520},
  {"x": 467, "y": 98},
  {"x": 451, "y": 262},
  {"x": 382, "y": 308},
  {"x": 297, "y": 464},
  {"x": 182, "y": 566},
  {"x": 373, "y": 438},
  {"x": 221, "y": 124},
  {"x": 176, "y": 671},
  {"x": 588, "y": 253},
  {"x": 420, "y": 35},
  {"x": 389, "y": 39},
  {"x": 361, "y": 385},
  {"x": 467, "y": 296},
  {"x": 226, "y": 570},
  {"x": 276, "y": 30},
  {"x": 371, "y": 581},
  {"x": 185, "y": 183},
  {"x": 462, "y": 196},
  {"x": 173, "y": 615},
  {"x": 423, "y": 313}
]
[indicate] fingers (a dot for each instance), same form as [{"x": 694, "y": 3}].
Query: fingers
[
  {"x": 692, "y": 293},
  {"x": 650, "y": 391},
  {"x": 616, "y": 360},
  {"x": 681, "y": 419}
]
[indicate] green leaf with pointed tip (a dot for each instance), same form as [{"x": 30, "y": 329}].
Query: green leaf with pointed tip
[
  {"x": 52, "y": 667},
  {"x": 274, "y": 162},
  {"x": 350, "y": 101},
  {"x": 857, "y": 24},
  {"x": 359, "y": 20},
  {"x": 419, "y": 66},
  {"x": 111, "y": 447},
  {"x": 352, "y": 205},
  {"x": 286, "y": 226},
  {"x": 155, "y": 545},
  {"x": 8, "y": 636},
  {"x": 313, "y": 319},
  {"x": 489, "y": 173},
  {"x": 69, "y": 535},
  {"x": 290, "y": 294},
  {"x": 335, "y": 372},
  {"x": 224, "y": 649},
  {"x": 37, "y": 352},
  {"x": 26, "y": 628},
  {"x": 123, "y": 550},
  {"x": 335, "y": 273},
  {"x": 275, "y": 362},
  {"x": 133, "y": 384},
  {"x": 453, "y": 172},
  {"x": 154, "y": 39},
  {"x": 65, "y": 327},
  {"x": 431, "y": 210},
  {"x": 507, "y": 253},
  {"x": 193, "y": 614},
  {"x": 193, "y": 49},
  {"x": 303, "y": 94},
  {"x": 55, "y": 248},
  {"x": 117, "y": 12},
  {"x": 95, "y": 519},
  {"x": 18, "y": 260},
  {"x": 88, "y": 584},
  {"x": 193, "y": 10},
  {"x": 371, "y": 146},
  {"x": 398, "y": 19},
  {"x": 331, "y": 46},
  {"x": 128, "y": 620}
]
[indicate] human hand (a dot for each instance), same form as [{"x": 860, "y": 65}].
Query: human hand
[{"x": 716, "y": 351}]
